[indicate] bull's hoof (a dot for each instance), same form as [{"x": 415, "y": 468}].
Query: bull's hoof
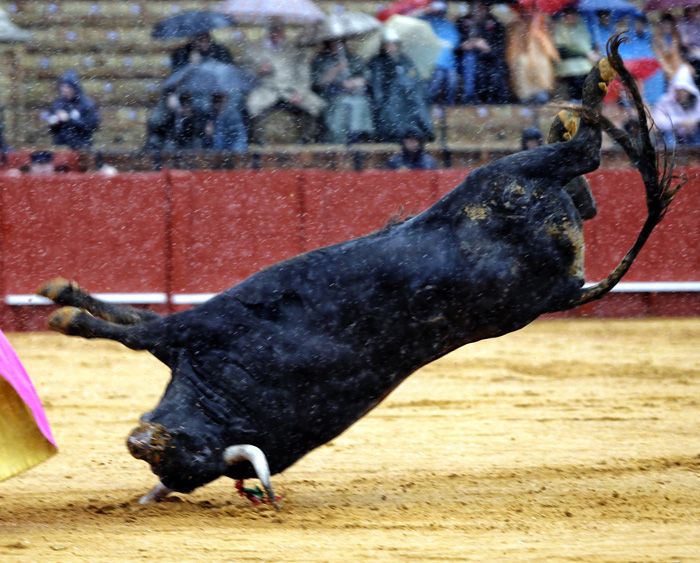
[
  {"x": 57, "y": 289},
  {"x": 570, "y": 124},
  {"x": 595, "y": 86},
  {"x": 63, "y": 319},
  {"x": 607, "y": 72}
]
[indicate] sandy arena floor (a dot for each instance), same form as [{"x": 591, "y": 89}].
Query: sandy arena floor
[{"x": 566, "y": 441}]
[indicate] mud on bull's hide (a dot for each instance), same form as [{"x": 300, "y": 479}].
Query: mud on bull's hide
[{"x": 283, "y": 362}]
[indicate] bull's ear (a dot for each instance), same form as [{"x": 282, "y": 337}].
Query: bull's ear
[{"x": 253, "y": 454}]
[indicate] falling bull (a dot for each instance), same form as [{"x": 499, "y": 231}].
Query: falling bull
[{"x": 283, "y": 362}]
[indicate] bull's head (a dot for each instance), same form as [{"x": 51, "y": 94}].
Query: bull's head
[{"x": 184, "y": 461}]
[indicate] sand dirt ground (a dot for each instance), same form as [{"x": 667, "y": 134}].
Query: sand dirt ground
[{"x": 567, "y": 441}]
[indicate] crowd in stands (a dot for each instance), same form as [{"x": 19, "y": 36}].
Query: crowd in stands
[{"x": 491, "y": 55}]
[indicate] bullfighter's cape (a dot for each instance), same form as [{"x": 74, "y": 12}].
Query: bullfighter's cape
[{"x": 25, "y": 436}]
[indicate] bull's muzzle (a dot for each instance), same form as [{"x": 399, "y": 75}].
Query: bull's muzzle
[{"x": 148, "y": 442}]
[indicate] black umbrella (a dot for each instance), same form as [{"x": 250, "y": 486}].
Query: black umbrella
[
  {"x": 209, "y": 77},
  {"x": 190, "y": 24}
]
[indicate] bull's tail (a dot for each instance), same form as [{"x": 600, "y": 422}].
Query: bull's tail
[{"x": 656, "y": 170}]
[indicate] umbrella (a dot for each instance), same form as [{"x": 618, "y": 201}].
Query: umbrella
[
  {"x": 614, "y": 6},
  {"x": 665, "y": 5},
  {"x": 343, "y": 25},
  {"x": 190, "y": 24},
  {"x": 402, "y": 7},
  {"x": 418, "y": 42},
  {"x": 9, "y": 32},
  {"x": 25, "y": 436},
  {"x": 207, "y": 78},
  {"x": 641, "y": 69},
  {"x": 260, "y": 12},
  {"x": 546, "y": 6}
]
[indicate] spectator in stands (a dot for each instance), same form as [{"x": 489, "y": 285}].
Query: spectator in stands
[
  {"x": 667, "y": 45},
  {"x": 73, "y": 116},
  {"x": 482, "y": 46},
  {"x": 199, "y": 48},
  {"x": 531, "y": 138},
  {"x": 531, "y": 58},
  {"x": 689, "y": 28},
  {"x": 177, "y": 122},
  {"x": 677, "y": 113},
  {"x": 41, "y": 163},
  {"x": 3, "y": 147},
  {"x": 443, "y": 85},
  {"x": 575, "y": 49},
  {"x": 412, "y": 155},
  {"x": 225, "y": 129},
  {"x": 339, "y": 77},
  {"x": 638, "y": 52},
  {"x": 397, "y": 93},
  {"x": 601, "y": 28},
  {"x": 283, "y": 76}
]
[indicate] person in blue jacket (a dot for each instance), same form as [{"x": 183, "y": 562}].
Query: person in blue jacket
[
  {"x": 443, "y": 85},
  {"x": 73, "y": 116}
]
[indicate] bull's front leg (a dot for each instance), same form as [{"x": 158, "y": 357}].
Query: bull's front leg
[
  {"x": 156, "y": 494},
  {"x": 64, "y": 292}
]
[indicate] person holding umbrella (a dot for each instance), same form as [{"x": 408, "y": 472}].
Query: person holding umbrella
[
  {"x": 339, "y": 77},
  {"x": 195, "y": 25},
  {"x": 282, "y": 71},
  {"x": 398, "y": 96},
  {"x": 200, "y": 48}
]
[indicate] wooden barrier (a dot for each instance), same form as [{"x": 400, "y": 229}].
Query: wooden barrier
[{"x": 171, "y": 239}]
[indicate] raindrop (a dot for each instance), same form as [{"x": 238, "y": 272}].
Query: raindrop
[
  {"x": 88, "y": 62},
  {"x": 45, "y": 62},
  {"x": 12, "y": 8},
  {"x": 128, "y": 62},
  {"x": 52, "y": 8},
  {"x": 135, "y": 9},
  {"x": 112, "y": 35},
  {"x": 108, "y": 87},
  {"x": 71, "y": 36},
  {"x": 95, "y": 9}
]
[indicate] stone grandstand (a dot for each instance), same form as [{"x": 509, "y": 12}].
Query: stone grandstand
[{"x": 108, "y": 43}]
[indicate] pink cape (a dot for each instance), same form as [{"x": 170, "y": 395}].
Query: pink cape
[{"x": 25, "y": 435}]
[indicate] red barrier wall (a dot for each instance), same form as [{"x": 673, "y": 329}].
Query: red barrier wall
[
  {"x": 671, "y": 253},
  {"x": 108, "y": 232},
  {"x": 179, "y": 232},
  {"x": 227, "y": 226},
  {"x": 343, "y": 205}
]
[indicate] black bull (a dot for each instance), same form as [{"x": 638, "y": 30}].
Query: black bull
[{"x": 285, "y": 361}]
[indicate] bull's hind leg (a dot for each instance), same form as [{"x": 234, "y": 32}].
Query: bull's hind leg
[
  {"x": 564, "y": 161},
  {"x": 580, "y": 153},
  {"x": 64, "y": 292},
  {"x": 79, "y": 322}
]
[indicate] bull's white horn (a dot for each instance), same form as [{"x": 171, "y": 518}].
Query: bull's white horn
[{"x": 253, "y": 454}]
